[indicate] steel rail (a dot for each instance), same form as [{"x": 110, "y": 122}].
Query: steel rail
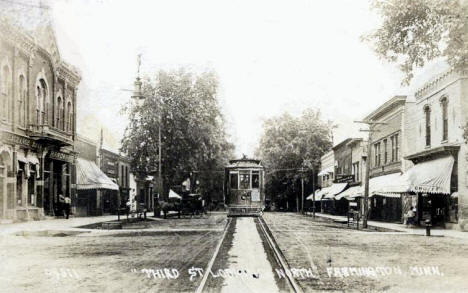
[{"x": 294, "y": 286}]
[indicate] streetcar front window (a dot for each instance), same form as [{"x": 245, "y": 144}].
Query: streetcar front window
[
  {"x": 255, "y": 179},
  {"x": 234, "y": 180},
  {"x": 245, "y": 180}
]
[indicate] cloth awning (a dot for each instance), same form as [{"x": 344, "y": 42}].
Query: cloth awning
[
  {"x": 173, "y": 194},
  {"x": 431, "y": 176},
  {"x": 321, "y": 193},
  {"x": 326, "y": 171},
  {"x": 32, "y": 159},
  {"x": 391, "y": 185},
  {"x": 350, "y": 193},
  {"x": 89, "y": 176},
  {"x": 335, "y": 189},
  {"x": 317, "y": 195}
]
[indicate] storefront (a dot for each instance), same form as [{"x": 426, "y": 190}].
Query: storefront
[
  {"x": 432, "y": 182},
  {"x": 20, "y": 184},
  {"x": 91, "y": 186}
]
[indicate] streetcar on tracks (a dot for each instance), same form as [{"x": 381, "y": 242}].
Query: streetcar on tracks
[{"x": 244, "y": 187}]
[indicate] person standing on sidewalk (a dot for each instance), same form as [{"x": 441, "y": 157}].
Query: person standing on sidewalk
[{"x": 67, "y": 206}]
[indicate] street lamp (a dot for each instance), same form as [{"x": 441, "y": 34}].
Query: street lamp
[{"x": 139, "y": 98}]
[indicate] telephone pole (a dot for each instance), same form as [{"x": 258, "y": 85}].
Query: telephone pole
[{"x": 371, "y": 130}]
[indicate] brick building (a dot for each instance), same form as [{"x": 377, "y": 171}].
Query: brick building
[
  {"x": 436, "y": 148},
  {"x": 386, "y": 159},
  {"x": 38, "y": 96}
]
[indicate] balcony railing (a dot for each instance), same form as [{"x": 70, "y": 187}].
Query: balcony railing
[{"x": 45, "y": 132}]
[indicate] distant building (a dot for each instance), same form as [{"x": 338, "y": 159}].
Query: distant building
[{"x": 91, "y": 182}]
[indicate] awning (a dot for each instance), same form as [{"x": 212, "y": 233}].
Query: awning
[
  {"x": 350, "y": 193},
  {"x": 391, "y": 185},
  {"x": 321, "y": 193},
  {"x": 317, "y": 196},
  {"x": 325, "y": 171},
  {"x": 431, "y": 176},
  {"x": 32, "y": 159},
  {"x": 89, "y": 176},
  {"x": 335, "y": 189},
  {"x": 172, "y": 194}
]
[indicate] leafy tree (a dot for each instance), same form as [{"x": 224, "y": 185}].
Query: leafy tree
[
  {"x": 288, "y": 144},
  {"x": 193, "y": 135},
  {"x": 416, "y": 31}
]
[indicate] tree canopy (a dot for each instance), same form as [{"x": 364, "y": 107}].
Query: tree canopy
[
  {"x": 289, "y": 143},
  {"x": 193, "y": 133},
  {"x": 414, "y": 32}
]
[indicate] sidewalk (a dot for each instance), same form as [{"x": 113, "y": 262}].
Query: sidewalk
[
  {"x": 53, "y": 224},
  {"x": 403, "y": 228}
]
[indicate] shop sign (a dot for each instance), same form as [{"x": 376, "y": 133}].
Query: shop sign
[
  {"x": 344, "y": 179},
  {"x": 61, "y": 156},
  {"x": 12, "y": 138}
]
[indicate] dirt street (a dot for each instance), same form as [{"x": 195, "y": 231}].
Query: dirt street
[
  {"x": 121, "y": 262},
  {"x": 357, "y": 261}
]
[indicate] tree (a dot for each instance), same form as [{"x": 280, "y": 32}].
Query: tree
[
  {"x": 414, "y": 32},
  {"x": 289, "y": 144},
  {"x": 193, "y": 135}
]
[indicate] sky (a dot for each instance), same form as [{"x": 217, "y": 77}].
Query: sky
[{"x": 271, "y": 56}]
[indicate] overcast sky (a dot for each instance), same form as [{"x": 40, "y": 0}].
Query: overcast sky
[{"x": 271, "y": 56}]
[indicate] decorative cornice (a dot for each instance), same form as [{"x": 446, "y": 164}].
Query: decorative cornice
[
  {"x": 26, "y": 43},
  {"x": 386, "y": 107},
  {"x": 439, "y": 82}
]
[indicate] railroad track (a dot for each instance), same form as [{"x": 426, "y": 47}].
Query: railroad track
[
  {"x": 276, "y": 251},
  {"x": 279, "y": 257}
]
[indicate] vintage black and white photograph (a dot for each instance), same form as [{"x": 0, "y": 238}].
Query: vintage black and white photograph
[{"x": 233, "y": 146}]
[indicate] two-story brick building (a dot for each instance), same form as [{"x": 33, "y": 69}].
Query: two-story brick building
[
  {"x": 386, "y": 161},
  {"x": 38, "y": 96},
  {"x": 436, "y": 119}
]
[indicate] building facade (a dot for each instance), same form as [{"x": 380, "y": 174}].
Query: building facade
[
  {"x": 38, "y": 96},
  {"x": 386, "y": 160},
  {"x": 437, "y": 149}
]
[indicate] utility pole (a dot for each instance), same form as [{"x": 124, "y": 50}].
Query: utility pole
[
  {"x": 371, "y": 130},
  {"x": 302, "y": 185},
  {"x": 313, "y": 192}
]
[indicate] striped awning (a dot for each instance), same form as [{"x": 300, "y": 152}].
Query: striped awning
[
  {"x": 431, "y": 176},
  {"x": 335, "y": 189},
  {"x": 390, "y": 185},
  {"x": 89, "y": 176},
  {"x": 319, "y": 194},
  {"x": 350, "y": 193}
]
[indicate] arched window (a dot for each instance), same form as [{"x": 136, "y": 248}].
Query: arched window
[
  {"x": 41, "y": 105},
  {"x": 21, "y": 100},
  {"x": 45, "y": 101},
  {"x": 6, "y": 113},
  {"x": 69, "y": 117},
  {"x": 427, "y": 114},
  {"x": 58, "y": 118},
  {"x": 444, "y": 104}
]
